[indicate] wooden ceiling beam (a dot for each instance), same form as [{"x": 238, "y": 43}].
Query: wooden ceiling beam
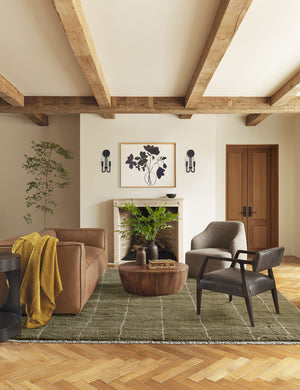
[
  {"x": 15, "y": 98},
  {"x": 289, "y": 90},
  {"x": 78, "y": 33},
  {"x": 282, "y": 97},
  {"x": 9, "y": 93},
  {"x": 255, "y": 119},
  {"x": 150, "y": 105},
  {"x": 228, "y": 19},
  {"x": 185, "y": 116},
  {"x": 38, "y": 119}
]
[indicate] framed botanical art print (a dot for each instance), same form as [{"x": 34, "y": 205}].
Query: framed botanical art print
[{"x": 148, "y": 165}]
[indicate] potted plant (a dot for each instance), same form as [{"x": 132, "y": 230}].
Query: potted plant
[{"x": 146, "y": 223}]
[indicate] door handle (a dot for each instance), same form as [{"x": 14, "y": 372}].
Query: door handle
[
  {"x": 250, "y": 212},
  {"x": 244, "y": 212}
]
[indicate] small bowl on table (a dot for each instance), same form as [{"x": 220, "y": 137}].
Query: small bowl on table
[{"x": 171, "y": 195}]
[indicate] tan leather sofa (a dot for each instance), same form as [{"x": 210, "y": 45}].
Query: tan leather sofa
[{"x": 82, "y": 262}]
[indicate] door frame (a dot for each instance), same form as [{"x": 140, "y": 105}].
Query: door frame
[{"x": 273, "y": 186}]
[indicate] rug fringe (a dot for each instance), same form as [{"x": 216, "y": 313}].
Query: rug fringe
[{"x": 157, "y": 342}]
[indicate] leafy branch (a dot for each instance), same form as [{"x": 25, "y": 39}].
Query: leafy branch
[
  {"x": 48, "y": 174},
  {"x": 146, "y": 225}
]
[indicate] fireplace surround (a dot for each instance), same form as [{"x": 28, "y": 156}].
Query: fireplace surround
[{"x": 171, "y": 239}]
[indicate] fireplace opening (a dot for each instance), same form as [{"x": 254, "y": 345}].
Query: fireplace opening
[
  {"x": 169, "y": 241},
  {"x": 165, "y": 240}
]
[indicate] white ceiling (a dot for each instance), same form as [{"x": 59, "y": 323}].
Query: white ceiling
[{"x": 149, "y": 47}]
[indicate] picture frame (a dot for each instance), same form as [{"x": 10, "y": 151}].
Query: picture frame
[{"x": 148, "y": 164}]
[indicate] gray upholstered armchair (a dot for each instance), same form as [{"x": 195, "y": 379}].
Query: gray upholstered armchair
[{"x": 220, "y": 238}]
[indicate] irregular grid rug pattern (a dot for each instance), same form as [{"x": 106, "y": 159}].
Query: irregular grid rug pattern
[{"x": 113, "y": 315}]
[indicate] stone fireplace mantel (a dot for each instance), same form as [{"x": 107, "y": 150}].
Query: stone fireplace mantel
[{"x": 177, "y": 233}]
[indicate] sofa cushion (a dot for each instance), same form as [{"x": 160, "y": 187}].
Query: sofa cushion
[{"x": 48, "y": 232}]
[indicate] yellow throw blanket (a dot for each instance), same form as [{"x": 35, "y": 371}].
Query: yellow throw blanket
[{"x": 40, "y": 279}]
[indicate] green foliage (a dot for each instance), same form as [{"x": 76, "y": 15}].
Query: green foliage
[
  {"x": 148, "y": 224},
  {"x": 48, "y": 174}
]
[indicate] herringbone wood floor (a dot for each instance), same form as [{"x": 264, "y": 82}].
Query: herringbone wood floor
[{"x": 138, "y": 366}]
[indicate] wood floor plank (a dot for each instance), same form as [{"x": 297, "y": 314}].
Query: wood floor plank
[
  {"x": 171, "y": 372},
  {"x": 198, "y": 376},
  {"x": 227, "y": 369},
  {"x": 145, "y": 366},
  {"x": 275, "y": 370},
  {"x": 244, "y": 370},
  {"x": 266, "y": 365}
]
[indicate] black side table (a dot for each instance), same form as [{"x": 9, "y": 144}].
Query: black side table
[{"x": 10, "y": 312}]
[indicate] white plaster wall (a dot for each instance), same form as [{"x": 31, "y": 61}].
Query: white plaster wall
[
  {"x": 16, "y": 134},
  {"x": 98, "y": 189},
  {"x": 297, "y": 185},
  {"x": 276, "y": 129}
]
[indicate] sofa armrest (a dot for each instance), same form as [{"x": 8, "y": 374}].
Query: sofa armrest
[
  {"x": 72, "y": 270},
  {"x": 5, "y": 248},
  {"x": 88, "y": 236}
]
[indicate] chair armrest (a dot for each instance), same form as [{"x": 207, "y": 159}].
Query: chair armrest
[
  {"x": 89, "y": 236},
  {"x": 232, "y": 261},
  {"x": 243, "y": 251}
]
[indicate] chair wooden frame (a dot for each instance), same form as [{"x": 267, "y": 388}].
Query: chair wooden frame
[{"x": 245, "y": 292}]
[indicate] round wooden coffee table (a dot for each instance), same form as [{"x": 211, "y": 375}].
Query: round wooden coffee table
[{"x": 152, "y": 282}]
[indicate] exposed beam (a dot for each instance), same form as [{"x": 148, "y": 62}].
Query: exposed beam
[
  {"x": 255, "y": 119},
  {"x": 282, "y": 97},
  {"x": 185, "y": 116},
  {"x": 109, "y": 116},
  {"x": 229, "y": 16},
  {"x": 9, "y": 93},
  {"x": 287, "y": 91},
  {"x": 39, "y": 119},
  {"x": 15, "y": 98},
  {"x": 76, "y": 28},
  {"x": 150, "y": 105}
]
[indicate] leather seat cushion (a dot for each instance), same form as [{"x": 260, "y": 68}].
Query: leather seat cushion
[{"x": 229, "y": 281}]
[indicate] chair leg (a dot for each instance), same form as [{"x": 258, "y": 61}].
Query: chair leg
[
  {"x": 199, "y": 296},
  {"x": 250, "y": 309},
  {"x": 275, "y": 299}
]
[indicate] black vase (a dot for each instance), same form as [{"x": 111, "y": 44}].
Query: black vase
[{"x": 151, "y": 251}]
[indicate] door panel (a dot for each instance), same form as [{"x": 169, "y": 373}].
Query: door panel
[
  {"x": 236, "y": 178},
  {"x": 252, "y": 182},
  {"x": 258, "y": 198}
]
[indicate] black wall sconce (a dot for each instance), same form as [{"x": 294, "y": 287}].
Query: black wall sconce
[
  {"x": 190, "y": 163},
  {"x": 105, "y": 161}
]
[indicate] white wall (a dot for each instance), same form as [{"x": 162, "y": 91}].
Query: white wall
[
  {"x": 16, "y": 134},
  {"x": 98, "y": 189},
  {"x": 276, "y": 129},
  {"x": 204, "y": 191},
  {"x": 297, "y": 185}
]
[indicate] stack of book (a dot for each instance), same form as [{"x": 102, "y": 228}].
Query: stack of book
[{"x": 161, "y": 264}]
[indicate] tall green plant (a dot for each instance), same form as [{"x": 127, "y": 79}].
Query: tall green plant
[
  {"x": 48, "y": 174},
  {"x": 146, "y": 225}
]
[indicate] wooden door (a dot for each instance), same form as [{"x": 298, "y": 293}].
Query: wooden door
[{"x": 252, "y": 192}]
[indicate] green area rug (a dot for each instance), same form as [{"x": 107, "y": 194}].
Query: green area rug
[{"x": 113, "y": 315}]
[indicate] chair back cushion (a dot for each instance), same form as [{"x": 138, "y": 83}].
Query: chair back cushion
[
  {"x": 226, "y": 234},
  {"x": 267, "y": 258}
]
